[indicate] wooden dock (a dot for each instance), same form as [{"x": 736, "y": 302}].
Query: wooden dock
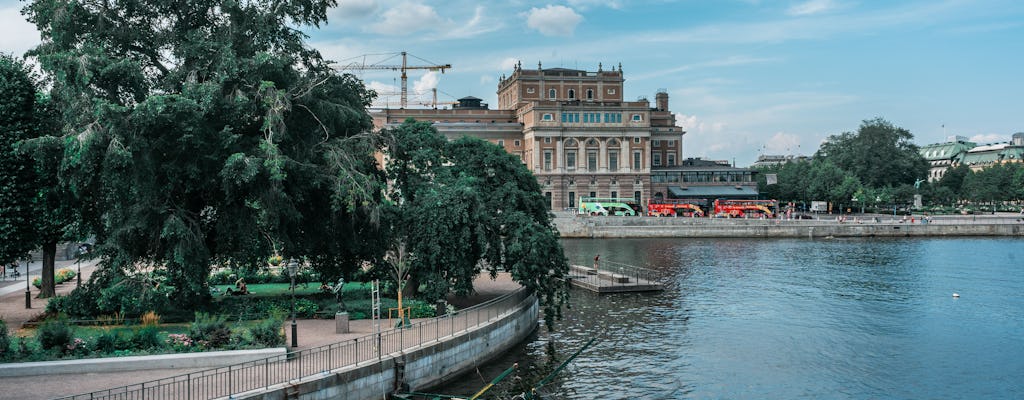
[{"x": 618, "y": 278}]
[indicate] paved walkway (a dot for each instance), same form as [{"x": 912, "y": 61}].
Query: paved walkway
[{"x": 311, "y": 333}]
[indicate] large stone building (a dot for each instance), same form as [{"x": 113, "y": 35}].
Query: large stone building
[
  {"x": 958, "y": 151},
  {"x": 572, "y": 129}
]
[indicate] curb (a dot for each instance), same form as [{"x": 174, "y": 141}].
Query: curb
[{"x": 209, "y": 359}]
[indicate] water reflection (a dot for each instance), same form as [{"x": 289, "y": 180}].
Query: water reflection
[{"x": 742, "y": 318}]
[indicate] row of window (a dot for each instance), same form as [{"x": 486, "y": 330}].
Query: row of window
[
  {"x": 702, "y": 177},
  {"x": 553, "y": 94},
  {"x": 610, "y": 118},
  {"x": 571, "y": 163},
  {"x": 670, "y": 160}
]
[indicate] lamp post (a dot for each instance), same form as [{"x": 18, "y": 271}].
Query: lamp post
[
  {"x": 28, "y": 293},
  {"x": 293, "y": 268},
  {"x": 82, "y": 250}
]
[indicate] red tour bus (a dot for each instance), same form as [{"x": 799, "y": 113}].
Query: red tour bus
[
  {"x": 746, "y": 208},
  {"x": 673, "y": 208}
]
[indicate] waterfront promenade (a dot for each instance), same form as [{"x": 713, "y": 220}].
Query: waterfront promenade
[
  {"x": 820, "y": 226},
  {"x": 311, "y": 334}
]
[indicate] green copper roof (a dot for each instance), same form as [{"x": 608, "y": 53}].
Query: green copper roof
[{"x": 946, "y": 151}]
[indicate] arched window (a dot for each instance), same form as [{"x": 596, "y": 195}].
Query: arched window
[
  {"x": 612, "y": 142},
  {"x": 590, "y": 94},
  {"x": 571, "y": 142},
  {"x": 572, "y": 94},
  {"x": 552, "y": 93}
]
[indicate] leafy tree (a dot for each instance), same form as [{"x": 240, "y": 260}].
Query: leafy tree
[
  {"x": 458, "y": 208},
  {"x": 829, "y": 182},
  {"x": 879, "y": 154},
  {"x": 953, "y": 179},
  {"x": 205, "y": 131},
  {"x": 17, "y": 118}
]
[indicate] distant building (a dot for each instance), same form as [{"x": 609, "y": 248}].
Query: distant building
[
  {"x": 702, "y": 181},
  {"x": 981, "y": 157},
  {"x": 572, "y": 128},
  {"x": 945, "y": 155},
  {"x": 770, "y": 160}
]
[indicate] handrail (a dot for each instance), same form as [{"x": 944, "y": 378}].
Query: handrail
[{"x": 264, "y": 373}]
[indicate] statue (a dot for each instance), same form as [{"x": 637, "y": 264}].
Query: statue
[
  {"x": 338, "y": 294},
  {"x": 917, "y": 183}
]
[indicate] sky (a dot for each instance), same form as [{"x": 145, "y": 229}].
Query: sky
[{"x": 744, "y": 77}]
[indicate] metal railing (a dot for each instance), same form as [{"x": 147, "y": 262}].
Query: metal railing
[
  {"x": 267, "y": 372},
  {"x": 609, "y": 273}
]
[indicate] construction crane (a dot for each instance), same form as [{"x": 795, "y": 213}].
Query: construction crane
[{"x": 404, "y": 67}]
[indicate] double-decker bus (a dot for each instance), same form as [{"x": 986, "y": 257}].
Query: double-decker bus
[
  {"x": 745, "y": 208},
  {"x": 608, "y": 206},
  {"x": 673, "y": 208}
]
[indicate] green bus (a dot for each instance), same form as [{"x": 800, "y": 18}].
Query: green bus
[{"x": 608, "y": 206}]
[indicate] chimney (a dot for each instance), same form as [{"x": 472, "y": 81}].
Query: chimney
[
  {"x": 661, "y": 100},
  {"x": 1018, "y": 139}
]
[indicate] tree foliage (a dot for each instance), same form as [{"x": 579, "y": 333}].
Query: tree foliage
[
  {"x": 879, "y": 154},
  {"x": 17, "y": 179},
  {"x": 464, "y": 207},
  {"x": 206, "y": 131}
]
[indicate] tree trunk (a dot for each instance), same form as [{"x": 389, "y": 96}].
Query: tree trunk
[{"x": 49, "y": 254}]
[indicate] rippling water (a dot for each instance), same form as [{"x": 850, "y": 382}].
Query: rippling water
[{"x": 748, "y": 318}]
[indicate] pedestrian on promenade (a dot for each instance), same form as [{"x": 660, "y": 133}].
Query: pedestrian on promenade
[{"x": 596, "y": 258}]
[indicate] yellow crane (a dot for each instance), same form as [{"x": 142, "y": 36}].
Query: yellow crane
[{"x": 404, "y": 67}]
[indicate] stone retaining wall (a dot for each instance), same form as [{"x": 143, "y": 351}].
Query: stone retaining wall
[
  {"x": 646, "y": 227},
  {"x": 422, "y": 368}
]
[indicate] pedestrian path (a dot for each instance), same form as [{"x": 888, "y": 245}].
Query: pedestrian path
[{"x": 311, "y": 334}]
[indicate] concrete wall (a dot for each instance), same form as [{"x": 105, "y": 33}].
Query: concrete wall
[
  {"x": 424, "y": 367},
  {"x": 210, "y": 359},
  {"x": 649, "y": 227}
]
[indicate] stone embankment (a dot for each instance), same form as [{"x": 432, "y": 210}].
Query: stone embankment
[{"x": 579, "y": 226}]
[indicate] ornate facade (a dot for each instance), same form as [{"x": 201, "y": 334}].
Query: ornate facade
[{"x": 571, "y": 128}]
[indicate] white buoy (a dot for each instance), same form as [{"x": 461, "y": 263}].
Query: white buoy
[{"x": 956, "y": 295}]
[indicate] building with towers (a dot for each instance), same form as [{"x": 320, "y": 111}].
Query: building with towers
[{"x": 572, "y": 128}]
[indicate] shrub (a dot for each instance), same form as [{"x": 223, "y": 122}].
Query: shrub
[
  {"x": 5, "y": 341},
  {"x": 145, "y": 338},
  {"x": 150, "y": 319},
  {"x": 105, "y": 342},
  {"x": 268, "y": 333},
  {"x": 55, "y": 334},
  {"x": 210, "y": 331},
  {"x": 64, "y": 275}
]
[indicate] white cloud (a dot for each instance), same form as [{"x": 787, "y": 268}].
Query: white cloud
[
  {"x": 553, "y": 20},
  {"x": 427, "y": 82},
  {"x": 16, "y": 34},
  {"x": 408, "y": 18},
  {"x": 584, "y": 4},
  {"x": 782, "y": 143},
  {"x": 486, "y": 79},
  {"x": 987, "y": 138},
  {"x": 508, "y": 64},
  {"x": 354, "y": 9},
  {"x": 811, "y": 7}
]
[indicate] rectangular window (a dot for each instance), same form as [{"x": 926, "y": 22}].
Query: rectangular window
[
  {"x": 570, "y": 160},
  {"x": 655, "y": 143},
  {"x": 547, "y": 195},
  {"x": 671, "y": 159},
  {"x": 656, "y": 159},
  {"x": 615, "y": 194},
  {"x": 547, "y": 117},
  {"x": 572, "y": 199},
  {"x": 638, "y": 117},
  {"x": 636, "y": 196},
  {"x": 501, "y": 143},
  {"x": 636, "y": 160},
  {"x": 547, "y": 160},
  {"x": 547, "y": 140},
  {"x": 592, "y": 160},
  {"x": 517, "y": 143},
  {"x": 613, "y": 161},
  {"x": 636, "y": 140},
  {"x": 671, "y": 143},
  {"x": 593, "y": 194}
]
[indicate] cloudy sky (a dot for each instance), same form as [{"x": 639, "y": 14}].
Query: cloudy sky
[{"x": 745, "y": 77}]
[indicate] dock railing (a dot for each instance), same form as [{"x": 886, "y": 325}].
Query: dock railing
[
  {"x": 262, "y": 374},
  {"x": 610, "y": 273}
]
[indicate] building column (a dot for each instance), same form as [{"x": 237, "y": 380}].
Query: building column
[
  {"x": 646, "y": 162},
  {"x": 602, "y": 156},
  {"x": 536, "y": 153},
  {"x": 624, "y": 153},
  {"x": 559, "y": 155}
]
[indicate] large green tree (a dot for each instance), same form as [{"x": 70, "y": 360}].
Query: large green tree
[
  {"x": 879, "y": 154},
  {"x": 457, "y": 209},
  {"x": 17, "y": 121},
  {"x": 205, "y": 131}
]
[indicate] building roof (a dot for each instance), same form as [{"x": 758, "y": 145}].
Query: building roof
[
  {"x": 713, "y": 191},
  {"x": 1001, "y": 152},
  {"x": 946, "y": 150}
]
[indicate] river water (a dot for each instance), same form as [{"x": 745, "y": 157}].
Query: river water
[{"x": 784, "y": 319}]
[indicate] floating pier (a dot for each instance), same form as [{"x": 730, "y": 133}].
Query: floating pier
[{"x": 615, "y": 278}]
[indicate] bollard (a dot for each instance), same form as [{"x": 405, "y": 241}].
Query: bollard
[{"x": 341, "y": 322}]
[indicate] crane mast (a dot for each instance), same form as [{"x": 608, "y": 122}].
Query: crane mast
[{"x": 403, "y": 68}]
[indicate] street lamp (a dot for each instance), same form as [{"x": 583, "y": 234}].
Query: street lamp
[
  {"x": 293, "y": 268},
  {"x": 82, "y": 250},
  {"x": 28, "y": 293}
]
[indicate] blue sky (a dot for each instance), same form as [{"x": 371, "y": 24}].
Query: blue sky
[{"x": 744, "y": 77}]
